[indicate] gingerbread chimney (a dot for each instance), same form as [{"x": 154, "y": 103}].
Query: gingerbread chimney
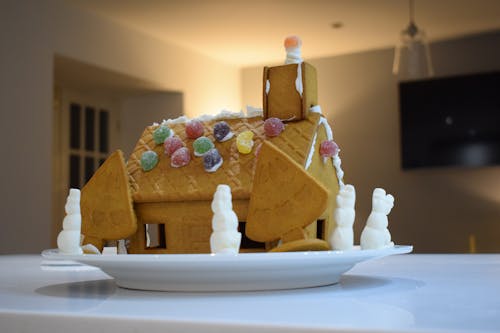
[{"x": 291, "y": 89}]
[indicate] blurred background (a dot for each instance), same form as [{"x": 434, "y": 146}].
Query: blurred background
[{"x": 81, "y": 78}]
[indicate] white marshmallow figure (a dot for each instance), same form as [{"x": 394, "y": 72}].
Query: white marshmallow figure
[
  {"x": 293, "y": 46},
  {"x": 342, "y": 237},
  {"x": 225, "y": 237},
  {"x": 376, "y": 235},
  {"x": 68, "y": 240}
]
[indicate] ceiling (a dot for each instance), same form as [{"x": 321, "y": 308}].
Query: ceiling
[{"x": 250, "y": 32}]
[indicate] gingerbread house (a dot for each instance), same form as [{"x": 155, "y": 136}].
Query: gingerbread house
[{"x": 175, "y": 202}]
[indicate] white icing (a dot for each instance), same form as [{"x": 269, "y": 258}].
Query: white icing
[
  {"x": 268, "y": 86},
  {"x": 254, "y": 112},
  {"x": 215, "y": 167},
  {"x": 293, "y": 55},
  {"x": 68, "y": 240},
  {"x": 298, "y": 81},
  {"x": 224, "y": 114},
  {"x": 178, "y": 120},
  {"x": 227, "y": 137},
  {"x": 375, "y": 234},
  {"x": 122, "y": 248},
  {"x": 342, "y": 237},
  {"x": 225, "y": 238},
  {"x": 336, "y": 161},
  {"x": 311, "y": 152},
  {"x": 338, "y": 169},
  {"x": 315, "y": 109},
  {"x": 200, "y": 154},
  {"x": 89, "y": 248},
  {"x": 109, "y": 250},
  {"x": 328, "y": 129},
  {"x": 148, "y": 239}
]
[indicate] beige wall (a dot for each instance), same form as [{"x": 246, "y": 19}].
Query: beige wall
[
  {"x": 31, "y": 33},
  {"x": 152, "y": 107},
  {"x": 435, "y": 209}
]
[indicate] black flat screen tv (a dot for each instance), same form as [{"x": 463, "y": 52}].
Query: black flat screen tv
[{"x": 453, "y": 121}]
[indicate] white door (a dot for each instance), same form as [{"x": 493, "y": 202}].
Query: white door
[{"x": 86, "y": 131}]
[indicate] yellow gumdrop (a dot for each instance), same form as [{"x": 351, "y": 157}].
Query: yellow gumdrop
[
  {"x": 246, "y": 135},
  {"x": 244, "y": 146},
  {"x": 244, "y": 142}
]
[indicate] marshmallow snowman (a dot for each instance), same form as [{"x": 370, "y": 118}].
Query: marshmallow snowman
[
  {"x": 375, "y": 235},
  {"x": 225, "y": 237},
  {"x": 68, "y": 240},
  {"x": 342, "y": 237}
]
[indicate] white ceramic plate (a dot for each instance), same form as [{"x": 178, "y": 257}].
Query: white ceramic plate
[{"x": 245, "y": 271}]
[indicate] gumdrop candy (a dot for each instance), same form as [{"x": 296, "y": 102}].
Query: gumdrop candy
[
  {"x": 149, "y": 159},
  {"x": 172, "y": 144},
  {"x": 292, "y": 41},
  {"x": 202, "y": 145},
  {"x": 244, "y": 142},
  {"x": 273, "y": 127},
  {"x": 181, "y": 157},
  {"x": 194, "y": 129},
  {"x": 222, "y": 131},
  {"x": 161, "y": 134},
  {"x": 212, "y": 160},
  {"x": 328, "y": 148}
]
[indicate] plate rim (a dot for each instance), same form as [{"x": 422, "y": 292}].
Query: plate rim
[{"x": 357, "y": 252}]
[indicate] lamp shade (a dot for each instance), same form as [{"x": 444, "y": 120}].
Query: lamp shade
[{"x": 412, "y": 57}]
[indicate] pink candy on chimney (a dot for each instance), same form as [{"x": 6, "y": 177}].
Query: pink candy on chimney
[{"x": 292, "y": 42}]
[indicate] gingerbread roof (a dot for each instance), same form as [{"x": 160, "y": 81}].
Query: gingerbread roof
[{"x": 192, "y": 182}]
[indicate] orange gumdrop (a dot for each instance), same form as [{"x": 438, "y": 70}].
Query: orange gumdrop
[{"x": 292, "y": 41}]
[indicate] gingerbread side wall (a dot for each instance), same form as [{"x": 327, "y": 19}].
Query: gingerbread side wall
[{"x": 325, "y": 173}]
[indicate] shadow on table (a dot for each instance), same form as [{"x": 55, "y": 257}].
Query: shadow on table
[{"x": 96, "y": 289}]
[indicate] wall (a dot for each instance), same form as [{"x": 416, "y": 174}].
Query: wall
[
  {"x": 31, "y": 33},
  {"x": 154, "y": 107},
  {"x": 435, "y": 209}
]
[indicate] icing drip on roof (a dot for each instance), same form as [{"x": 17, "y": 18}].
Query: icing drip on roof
[
  {"x": 336, "y": 161},
  {"x": 224, "y": 114}
]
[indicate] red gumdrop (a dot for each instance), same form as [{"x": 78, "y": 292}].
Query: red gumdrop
[
  {"x": 172, "y": 144},
  {"x": 328, "y": 148},
  {"x": 181, "y": 157},
  {"x": 273, "y": 127},
  {"x": 194, "y": 129}
]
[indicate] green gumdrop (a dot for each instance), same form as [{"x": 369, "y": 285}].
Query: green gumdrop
[
  {"x": 202, "y": 145},
  {"x": 161, "y": 134},
  {"x": 149, "y": 159}
]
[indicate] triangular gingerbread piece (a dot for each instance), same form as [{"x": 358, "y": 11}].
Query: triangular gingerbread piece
[
  {"x": 106, "y": 202},
  {"x": 284, "y": 196}
]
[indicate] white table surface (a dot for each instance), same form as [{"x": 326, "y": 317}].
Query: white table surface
[{"x": 404, "y": 293}]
